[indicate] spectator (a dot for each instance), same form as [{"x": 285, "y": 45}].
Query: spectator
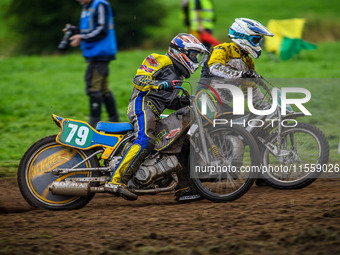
[
  {"x": 185, "y": 9},
  {"x": 98, "y": 43},
  {"x": 202, "y": 21}
]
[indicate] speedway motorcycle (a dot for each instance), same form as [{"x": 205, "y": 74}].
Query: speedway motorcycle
[
  {"x": 296, "y": 151},
  {"x": 65, "y": 171}
]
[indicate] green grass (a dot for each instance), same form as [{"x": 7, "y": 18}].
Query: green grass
[{"x": 32, "y": 88}]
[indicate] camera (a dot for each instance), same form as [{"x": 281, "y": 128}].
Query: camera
[{"x": 65, "y": 42}]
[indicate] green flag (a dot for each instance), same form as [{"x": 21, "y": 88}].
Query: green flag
[{"x": 292, "y": 46}]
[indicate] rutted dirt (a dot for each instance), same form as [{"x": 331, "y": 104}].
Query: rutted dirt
[{"x": 264, "y": 221}]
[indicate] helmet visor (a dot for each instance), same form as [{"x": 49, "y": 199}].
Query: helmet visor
[
  {"x": 196, "y": 56},
  {"x": 255, "y": 39}
]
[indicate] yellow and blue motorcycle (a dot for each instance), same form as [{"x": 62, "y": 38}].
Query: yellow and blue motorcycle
[{"x": 65, "y": 171}]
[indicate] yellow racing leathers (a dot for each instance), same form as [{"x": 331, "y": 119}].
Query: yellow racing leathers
[
  {"x": 146, "y": 104},
  {"x": 226, "y": 65}
]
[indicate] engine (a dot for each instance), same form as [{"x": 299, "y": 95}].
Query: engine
[{"x": 153, "y": 170}]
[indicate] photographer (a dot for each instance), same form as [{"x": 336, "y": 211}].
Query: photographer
[{"x": 97, "y": 41}]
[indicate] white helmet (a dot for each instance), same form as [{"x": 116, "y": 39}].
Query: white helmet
[
  {"x": 247, "y": 34},
  {"x": 188, "y": 51}
]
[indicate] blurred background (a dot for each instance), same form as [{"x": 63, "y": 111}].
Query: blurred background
[
  {"x": 37, "y": 80},
  {"x": 34, "y": 27}
]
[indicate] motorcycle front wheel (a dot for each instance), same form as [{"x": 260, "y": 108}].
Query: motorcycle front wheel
[
  {"x": 305, "y": 152},
  {"x": 35, "y": 174},
  {"x": 231, "y": 167}
]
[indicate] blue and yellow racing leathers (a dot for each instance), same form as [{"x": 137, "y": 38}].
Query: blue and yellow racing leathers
[{"x": 146, "y": 104}]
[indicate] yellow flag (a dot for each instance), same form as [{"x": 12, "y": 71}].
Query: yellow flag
[{"x": 291, "y": 28}]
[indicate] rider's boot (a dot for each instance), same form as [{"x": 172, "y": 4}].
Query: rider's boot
[
  {"x": 95, "y": 108},
  {"x": 133, "y": 156},
  {"x": 184, "y": 192},
  {"x": 186, "y": 195},
  {"x": 93, "y": 121},
  {"x": 119, "y": 188},
  {"x": 110, "y": 105}
]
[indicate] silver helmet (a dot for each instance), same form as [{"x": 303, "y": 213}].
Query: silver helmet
[{"x": 188, "y": 51}]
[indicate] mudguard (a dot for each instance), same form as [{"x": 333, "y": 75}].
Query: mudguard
[{"x": 171, "y": 128}]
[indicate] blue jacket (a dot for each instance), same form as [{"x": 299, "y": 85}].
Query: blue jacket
[{"x": 99, "y": 47}]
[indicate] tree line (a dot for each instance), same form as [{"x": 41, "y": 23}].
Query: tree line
[{"x": 38, "y": 24}]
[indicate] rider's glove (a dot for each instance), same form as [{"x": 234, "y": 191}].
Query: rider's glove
[
  {"x": 166, "y": 86},
  {"x": 251, "y": 74}
]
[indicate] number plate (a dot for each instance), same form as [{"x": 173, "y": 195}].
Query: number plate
[
  {"x": 76, "y": 134},
  {"x": 81, "y": 135}
]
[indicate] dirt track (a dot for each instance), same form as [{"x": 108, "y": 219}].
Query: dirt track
[{"x": 264, "y": 221}]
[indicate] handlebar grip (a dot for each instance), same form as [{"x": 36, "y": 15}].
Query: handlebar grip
[
  {"x": 174, "y": 82},
  {"x": 166, "y": 86}
]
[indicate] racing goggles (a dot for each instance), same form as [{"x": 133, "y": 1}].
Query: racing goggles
[
  {"x": 196, "y": 56},
  {"x": 253, "y": 39}
]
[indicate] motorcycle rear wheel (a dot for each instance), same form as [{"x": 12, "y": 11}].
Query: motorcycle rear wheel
[
  {"x": 35, "y": 177},
  {"x": 238, "y": 154}
]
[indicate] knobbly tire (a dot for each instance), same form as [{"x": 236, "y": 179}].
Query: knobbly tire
[
  {"x": 314, "y": 139},
  {"x": 34, "y": 174},
  {"x": 238, "y": 149}
]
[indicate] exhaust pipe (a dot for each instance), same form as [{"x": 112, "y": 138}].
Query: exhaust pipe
[
  {"x": 82, "y": 189},
  {"x": 79, "y": 189},
  {"x": 156, "y": 190}
]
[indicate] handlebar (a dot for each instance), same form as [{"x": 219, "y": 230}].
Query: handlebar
[
  {"x": 262, "y": 82},
  {"x": 185, "y": 91}
]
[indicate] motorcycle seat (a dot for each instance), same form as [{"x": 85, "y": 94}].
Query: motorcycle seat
[{"x": 114, "y": 127}]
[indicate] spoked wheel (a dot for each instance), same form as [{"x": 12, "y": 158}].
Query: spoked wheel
[
  {"x": 304, "y": 150},
  {"x": 228, "y": 173},
  {"x": 35, "y": 174}
]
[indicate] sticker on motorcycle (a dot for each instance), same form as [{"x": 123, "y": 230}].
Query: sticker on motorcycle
[
  {"x": 76, "y": 134},
  {"x": 173, "y": 133}
]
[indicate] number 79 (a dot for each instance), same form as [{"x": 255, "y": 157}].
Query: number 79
[{"x": 82, "y": 134}]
